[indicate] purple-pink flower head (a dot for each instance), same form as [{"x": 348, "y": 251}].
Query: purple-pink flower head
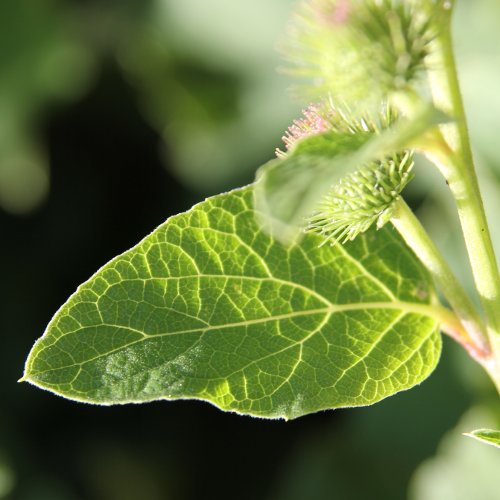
[
  {"x": 333, "y": 12},
  {"x": 313, "y": 122}
]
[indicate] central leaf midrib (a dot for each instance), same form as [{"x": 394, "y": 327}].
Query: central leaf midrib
[{"x": 404, "y": 307}]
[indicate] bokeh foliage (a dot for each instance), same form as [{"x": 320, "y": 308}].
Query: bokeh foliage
[{"x": 138, "y": 110}]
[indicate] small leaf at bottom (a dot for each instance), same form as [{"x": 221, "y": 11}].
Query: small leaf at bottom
[{"x": 487, "y": 436}]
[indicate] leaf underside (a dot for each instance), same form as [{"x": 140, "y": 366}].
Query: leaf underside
[
  {"x": 487, "y": 436},
  {"x": 210, "y": 307}
]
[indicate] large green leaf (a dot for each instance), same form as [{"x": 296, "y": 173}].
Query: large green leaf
[{"x": 210, "y": 307}]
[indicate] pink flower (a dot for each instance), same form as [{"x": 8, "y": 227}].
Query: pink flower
[
  {"x": 312, "y": 123},
  {"x": 333, "y": 12}
]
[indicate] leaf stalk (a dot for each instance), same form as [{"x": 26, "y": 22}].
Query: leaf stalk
[
  {"x": 471, "y": 335},
  {"x": 457, "y": 166}
]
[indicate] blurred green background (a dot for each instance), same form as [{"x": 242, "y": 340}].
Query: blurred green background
[{"x": 117, "y": 114}]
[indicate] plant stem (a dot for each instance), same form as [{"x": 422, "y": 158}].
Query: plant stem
[
  {"x": 457, "y": 166},
  {"x": 472, "y": 336}
]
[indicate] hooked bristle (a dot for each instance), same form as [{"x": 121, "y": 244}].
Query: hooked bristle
[{"x": 362, "y": 199}]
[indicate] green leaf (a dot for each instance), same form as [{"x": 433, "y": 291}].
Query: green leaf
[
  {"x": 289, "y": 189},
  {"x": 209, "y": 307},
  {"x": 487, "y": 436}
]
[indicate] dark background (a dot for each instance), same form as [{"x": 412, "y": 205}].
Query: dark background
[{"x": 135, "y": 116}]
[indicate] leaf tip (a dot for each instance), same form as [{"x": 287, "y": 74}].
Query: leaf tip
[{"x": 485, "y": 436}]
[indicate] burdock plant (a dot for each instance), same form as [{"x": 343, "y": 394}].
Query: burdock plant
[{"x": 316, "y": 287}]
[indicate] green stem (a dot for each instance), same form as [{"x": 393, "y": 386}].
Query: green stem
[
  {"x": 472, "y": 336},
  {"x": 456, "y": 164}
]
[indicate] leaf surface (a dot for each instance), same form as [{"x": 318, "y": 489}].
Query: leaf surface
[
  {"x": 487, "y": 436},
  {"x": 210, "y": 307}
]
